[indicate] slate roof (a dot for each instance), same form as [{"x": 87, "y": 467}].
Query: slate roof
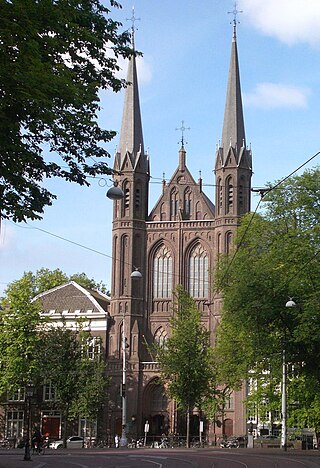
[{"x": 72, "y": 297}]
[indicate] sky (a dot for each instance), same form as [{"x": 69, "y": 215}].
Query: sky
[{"x": 182, "y": 76}]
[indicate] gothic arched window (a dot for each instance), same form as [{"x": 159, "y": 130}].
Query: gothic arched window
[
  {"x": 243, "y": 202},
  {"x": 160, "y": 337},
  {"x": 173, "y": 204},
  {"x": 229, "y": 195},
  {"x": 162, "y": 212},
  {"x": 198, "y": 211},
  {"x": 219, "y": 246},
  {"x": 228, "y": 242},
  {"x": 198, "y": 272},
  {"x": 159, "y": 400},
  {"x": 220, "y": 197},
  {"x": 187, "y": 202},
  {"x": 126, "y": 200},
  {"x": 138, "y": 197},
  {"x": 162, "y": 273}
]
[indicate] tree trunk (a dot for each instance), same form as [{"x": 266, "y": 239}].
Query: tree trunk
[
  {"x": 65, "y": 423},
  {"x": 188, "y": 428}
]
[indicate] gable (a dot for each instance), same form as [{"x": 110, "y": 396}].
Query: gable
[
  {"x": 182, "y": 199},
  {"x": 71, "y": 298}
]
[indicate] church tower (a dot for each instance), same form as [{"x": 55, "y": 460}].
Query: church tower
[
  {"x": 131, "y": 169},
  {"x": 177, "y": 243},
  {"x": 233, "y": 168}
]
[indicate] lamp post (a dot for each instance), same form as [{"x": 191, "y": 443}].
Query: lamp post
[
  {"x": 29, "y": 395},
  {"x": 289, "y": 304},
  {"x": 284, "y": 402},
  {"x": 123, "y": 439}
]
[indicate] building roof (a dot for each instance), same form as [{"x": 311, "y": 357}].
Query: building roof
[
  {"x": 71, "y": 298},
  {"x": 131, "y": 136},
  {"x": 233, "y": 133},
  {"x": 181, "y": 180}
]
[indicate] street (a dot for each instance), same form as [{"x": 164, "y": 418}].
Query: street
[{"x": 158, "y": 458}]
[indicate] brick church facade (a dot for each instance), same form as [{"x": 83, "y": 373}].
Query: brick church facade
[{"x": 177, "y": 242}]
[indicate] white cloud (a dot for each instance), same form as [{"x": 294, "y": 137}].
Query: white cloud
[
  {"x": 7, "y": 236},
  {"x": 143, "y": 69},
  {"x": 290, "y": 21},
  {"x": 273, "y": 95}
]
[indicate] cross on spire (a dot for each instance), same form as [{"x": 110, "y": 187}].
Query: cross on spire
[
  {"x": 182, "y": 130},
  {"x": 133, "y": 19},
  {"x": 235, "y": 12}
]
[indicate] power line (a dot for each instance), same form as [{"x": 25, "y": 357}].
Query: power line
[
  {"x": 267, "y": 190},
  {"x": 63, "y": 238},
  {"x": 263, "y": 193}
]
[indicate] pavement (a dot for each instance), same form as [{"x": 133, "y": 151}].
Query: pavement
[{"x": 258, "y": 450}]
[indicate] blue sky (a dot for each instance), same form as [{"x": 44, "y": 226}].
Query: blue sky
[{"x": 183, "y": 76}]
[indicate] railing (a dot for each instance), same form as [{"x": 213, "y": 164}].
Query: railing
[{"x": 149, "y": 366}]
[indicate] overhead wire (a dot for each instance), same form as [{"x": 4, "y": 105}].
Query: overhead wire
[{"x": 267, "y": 190}]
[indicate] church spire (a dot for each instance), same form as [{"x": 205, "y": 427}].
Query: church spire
[
  {"x": 233, "y": 134},
  {"x": 233, "y": 168},
  {"x": 131, "y": 137}
]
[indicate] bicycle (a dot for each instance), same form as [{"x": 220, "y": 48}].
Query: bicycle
[
  {"x": 40, "y": 447},
  {"x": 5, "y": 444}
]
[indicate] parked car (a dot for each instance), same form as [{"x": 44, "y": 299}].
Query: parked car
[{"x": 72, "y": 442}]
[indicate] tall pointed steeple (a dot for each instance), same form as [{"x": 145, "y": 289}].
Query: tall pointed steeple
[
  {"x": 233, "y": 133},
  {"x": 131, "y": 137},
  {"x": 233, "y": 167},
  {"x": 129, "y": 236}
]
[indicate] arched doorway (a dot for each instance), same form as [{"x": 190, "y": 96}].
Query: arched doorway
[
  {"x": 156, "y": 408},
  {"x": 118, "y": 426},
  {"x": 157, "y": 424},
  {"x": 228, "y": 427}
]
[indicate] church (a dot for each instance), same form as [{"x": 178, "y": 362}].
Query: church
[{"x": 175, "y": 242}]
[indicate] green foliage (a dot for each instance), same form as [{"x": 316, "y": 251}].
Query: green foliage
[
  {"x": 186, "y": 362},
  {"x": 186, "y": 359},
  {"x": 19, "y": 343},
  {"x": 80, "y": 382},
  {"x": 277, "y": 258},
  {"x": 55, "y": 58},
  {"x": 304, "y": 402},
  {"x": 61, "y": 363},
  {"x": 92, "y": 384},
  {"x": 44, "y": 279},
  {"x": 34, "y": 349},
  {"x": 89, "y": 283}
]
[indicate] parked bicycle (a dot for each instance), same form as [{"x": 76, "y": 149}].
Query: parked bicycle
[
  {"x": 136, "y": 443},
  {"x": 4, "y": 444}
]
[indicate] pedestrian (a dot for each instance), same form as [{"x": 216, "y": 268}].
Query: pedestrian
[
  {"x": 36, "y": 441},
  {"x": 116, "y": 440}
]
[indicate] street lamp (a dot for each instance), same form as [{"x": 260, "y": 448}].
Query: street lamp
[
  {"x": 29, "y": 394},
  {"x": 115, "y": 192},
  {"x": 135, "y": 275},
  {"x": 289, "y": 304}
]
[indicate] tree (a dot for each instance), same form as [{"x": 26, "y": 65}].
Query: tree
[
  {"x": 79, "y": 382},
  {"x": 92, "y": 383},
  {"x": 89, "y": 283},
  {"x": 185, "y": 360},
  {"x": 44, "y": 279},
  {"x": 276, "y": 258},
  {"x": 61, "y": 364},
  {"x": 79, "y": 379},
  {"x": 56, "y": 56},
  {"x": 19, "y": 344}
]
